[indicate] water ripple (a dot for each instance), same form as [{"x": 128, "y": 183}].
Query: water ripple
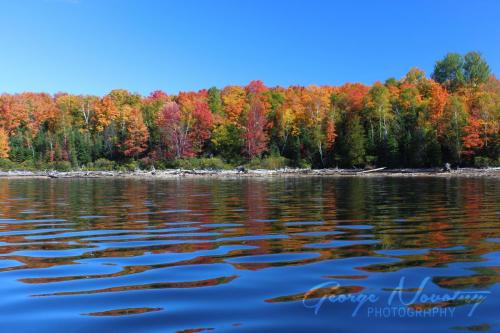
[{"x": 193, "y": 255}]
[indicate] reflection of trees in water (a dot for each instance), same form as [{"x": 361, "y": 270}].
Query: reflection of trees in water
[{"x": 190, "y": 216}]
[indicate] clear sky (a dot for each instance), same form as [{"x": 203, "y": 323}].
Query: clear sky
[{"x": 93, "y": 46}]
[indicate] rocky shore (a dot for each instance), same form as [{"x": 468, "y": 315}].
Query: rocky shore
[{"x": 239, "y": 173}]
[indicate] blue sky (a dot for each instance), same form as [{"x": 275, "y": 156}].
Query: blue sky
[{"x": 93, "y": 46}]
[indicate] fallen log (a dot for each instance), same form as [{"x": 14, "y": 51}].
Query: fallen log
[{"x": 371, "y": 170}]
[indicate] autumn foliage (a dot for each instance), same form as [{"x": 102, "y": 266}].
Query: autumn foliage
[
  {"x": 4, "y": 144},
  {"x": 412, "y": 122}
]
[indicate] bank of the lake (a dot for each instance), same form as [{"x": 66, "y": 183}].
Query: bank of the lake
[{"x": 236, "y": 173}]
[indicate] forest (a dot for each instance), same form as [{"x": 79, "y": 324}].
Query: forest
[{"x": 453, "y": 116}]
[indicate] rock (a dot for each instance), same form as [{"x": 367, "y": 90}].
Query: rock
[{"x": 241, "y": 168}]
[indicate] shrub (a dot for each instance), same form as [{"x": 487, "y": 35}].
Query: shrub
[
  {"x": 131, "y": 166},
  {"x": 146, "y": 163},
  {"x": 63, "y": 166},
  {"x": 481, "y": 162},
  {"x": 484, "y": 162},
  {"x": 214, "y": 163},
  {"x": 269, "y": 163},
  {"x": 104, "y": 164},
  {"x": 6, "y": 164},
  {"x": 28, "y": 165},
  {"x": 371, "y": 161},
  {"x": 304, "y": 164}
]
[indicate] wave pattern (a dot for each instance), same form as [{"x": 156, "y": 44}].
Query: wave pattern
[{"x": 194, "y": 255}]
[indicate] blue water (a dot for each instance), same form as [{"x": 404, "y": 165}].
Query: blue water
[{"x": 250, "y": 255}]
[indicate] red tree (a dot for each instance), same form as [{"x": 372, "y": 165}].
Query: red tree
[
  {"x": 202, "y": 125},
  {"x": 255, "y": 135},
  {"x": 174, "y": 134},
  {"x": 137, "y": 135}
]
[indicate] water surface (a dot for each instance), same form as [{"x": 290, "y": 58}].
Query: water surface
[{"x": 249, "y": 255}]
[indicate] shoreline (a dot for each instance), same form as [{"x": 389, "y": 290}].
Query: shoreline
[{"x": 259, "y": 173}]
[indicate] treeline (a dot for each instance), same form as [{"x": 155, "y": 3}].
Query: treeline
[{"x": 416, "y": 121}]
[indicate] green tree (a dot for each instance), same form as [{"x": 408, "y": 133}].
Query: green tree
[
  {"x": 410, "y": 134},
  {"x": 355, "y": 141},
  {"x": 350, "y": 147},
  {"x": 214, "y": 100},
  {"x": 275, "y": 118},
  {"x": 456, "y": 113},
  {"x": 450, "y": 71},
  {"x": 476, "y": 70},
  {"x": 227, "y": 142}
]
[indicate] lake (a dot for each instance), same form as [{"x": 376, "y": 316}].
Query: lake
[{"x": 250, "y": 255}]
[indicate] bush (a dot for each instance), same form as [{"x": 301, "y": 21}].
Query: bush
[
  {"x": 269, "y": 163},
  {"x": 6, "y": 164},
  {"x": 304, "y": 165},
  {"x": 160, "y": 164},
  {"x": 104, "y": 165},
  {"x": 63, "y": 166},
  {"x": 484, "y": 162},
  {"x": 28, "y": 165},
  {"x": 371, "y": 161},
  {"x": 481, "y": 162},
  {"x": 130, "y": 166},
  {"x": 146, "y": 163},
  {"x": 214, "y": 163}
]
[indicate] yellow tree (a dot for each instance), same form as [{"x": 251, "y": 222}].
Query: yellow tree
[
  {"x": 293, "y": 111},
  {"x": 4, "y": 144},
  {"x": 67, "y": 106},
  {"x": 378, "y": 109},
  {"x": 234, "y": 102},
  {"x": 136, "y": 136},
  {"x": 105, "y": 112},
  {"x": 316, "y": 101},
  {"x": 490, "y": 110}
]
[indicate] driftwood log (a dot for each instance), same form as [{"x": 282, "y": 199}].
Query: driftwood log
[{"x": 371, "y": 170}]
